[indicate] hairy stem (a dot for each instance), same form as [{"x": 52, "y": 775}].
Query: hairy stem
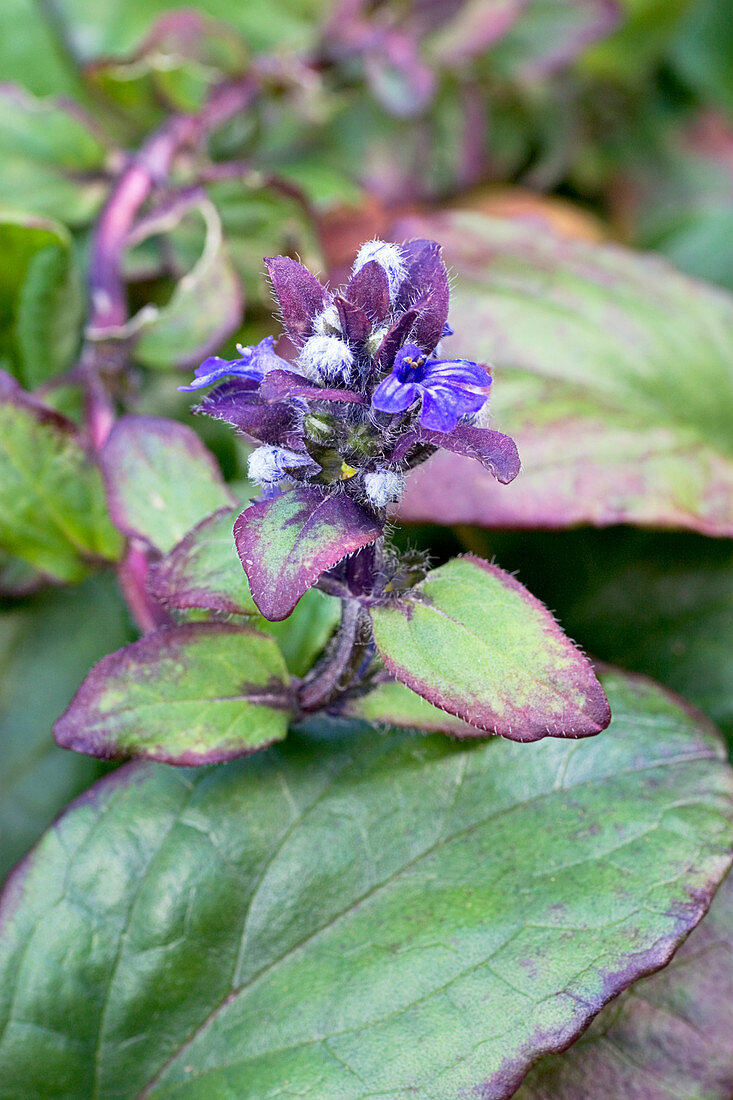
[{"x": 334, "y": 673}]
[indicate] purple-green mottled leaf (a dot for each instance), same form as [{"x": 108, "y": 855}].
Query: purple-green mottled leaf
[
  {"x": 668, "y": 1037},
  {"x": 364, "y": 914},
  {"x": 203, "y": 570},
  {"x": 53, "y": 513},
  {"x": 613, "y": 373},
  {"x": 161, "y": 480},
  {"x": 285, "y": 544},
  {"x": 472, "y": 640},
  {"x": 193, "y": 694}
]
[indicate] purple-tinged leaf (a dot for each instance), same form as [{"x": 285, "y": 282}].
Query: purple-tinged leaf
[
  {"x": 355, "y": 324},
  {"x": 279, "y": 385},
  {"x": 425, "y": 289},
  {"x": 286, "y": 543},
  {"x": 203, "y": 570},
  {"x": 394, "y": 338},
  {"x": 239, "y": 404},
  {"x": 397, "y": 75},
  {"x": 161, "y": 480},
  {"x": 472, "y": 640},
  {"x": 612, "y": 371},
  {"x": 194, "y": 694},
  {"x": 495, "y": 897},
  {"x": 299, "y": 293},
  {"x": 368, "y": 290},
  {"x": 669, "y": 1036}
]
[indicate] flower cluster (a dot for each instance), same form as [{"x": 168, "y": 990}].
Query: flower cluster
[{"x": 369, "y": 394}]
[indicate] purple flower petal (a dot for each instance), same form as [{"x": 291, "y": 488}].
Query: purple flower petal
[
  {"x": 456, "y": 371},
  {"x": 393, "y": 396},
  {"x": 300, "y": 295},
  {"x": 443, "y": 406},
  {"x": 254, "y": 363}
]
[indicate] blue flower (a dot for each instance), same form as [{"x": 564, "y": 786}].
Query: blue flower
[
  {"x": 254, "y": 364},
  {"x": 439, "y": 383}
]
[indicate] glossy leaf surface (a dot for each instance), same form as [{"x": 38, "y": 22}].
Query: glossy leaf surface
[
  {"x": 667, "y": 1037},
  {"x": 193, "y": 694},
  {"x": 161, "y": 480},
  {"x": 286, "y": 543},
  {"x": 614, "y": 374},
  {"x": 472, "y": 640},
  {"x": 358, "y": 915}
]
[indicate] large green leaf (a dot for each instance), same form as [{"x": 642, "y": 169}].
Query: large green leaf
[
  {"x": 666, "y": 1038},
  {"x": 41, "y": 304},
  {"x": 52, "y": 508},
  {"x": 161, "y": 480},
  {"x": 614, "y": 374},
  {"x": 46, "y": 648},
  {"x": 360, "y": 915},
  {"x": 192, "y": 694},
  {"x": 471, "y": 640}
]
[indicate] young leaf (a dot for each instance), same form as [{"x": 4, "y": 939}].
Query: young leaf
[
  {"x": 193, "y": 694},
  {"x": 52, "y": 508},
  {"x": 46, "y": 647},
  {"x": 161, "y": 480},
  {"x": 472, "y": 640},
  {"x": 366, "y": 914},
  {"x": 286, "y": 543},
  {"x": 667, "y": 1037},
  {"x": 613, "y": 372}
]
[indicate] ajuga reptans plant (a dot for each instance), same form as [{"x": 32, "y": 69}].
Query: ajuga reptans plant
[{"x": 368, "y": 393}]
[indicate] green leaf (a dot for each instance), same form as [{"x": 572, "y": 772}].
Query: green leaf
[
  {"x": 204, "y": 309},
  {"x": 614, "y": 375},
  {"x": 53, "y": 512},
  {"x": 656, "y": 603},
  {"x": 667, "y": 1037},
  {"x": 53, "y": 159},
  {"x": 43, "y": 655},
  {"x": 364, "y": 914},
  {"x": 193, "y": 694},
  {"x": 390, "y": 703},
  {"x": 473, "y": 641},
  {"x": 161, "y": 480},
  {"x": 41, "y": 304},
  {"x": 30, "y": 52}
]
